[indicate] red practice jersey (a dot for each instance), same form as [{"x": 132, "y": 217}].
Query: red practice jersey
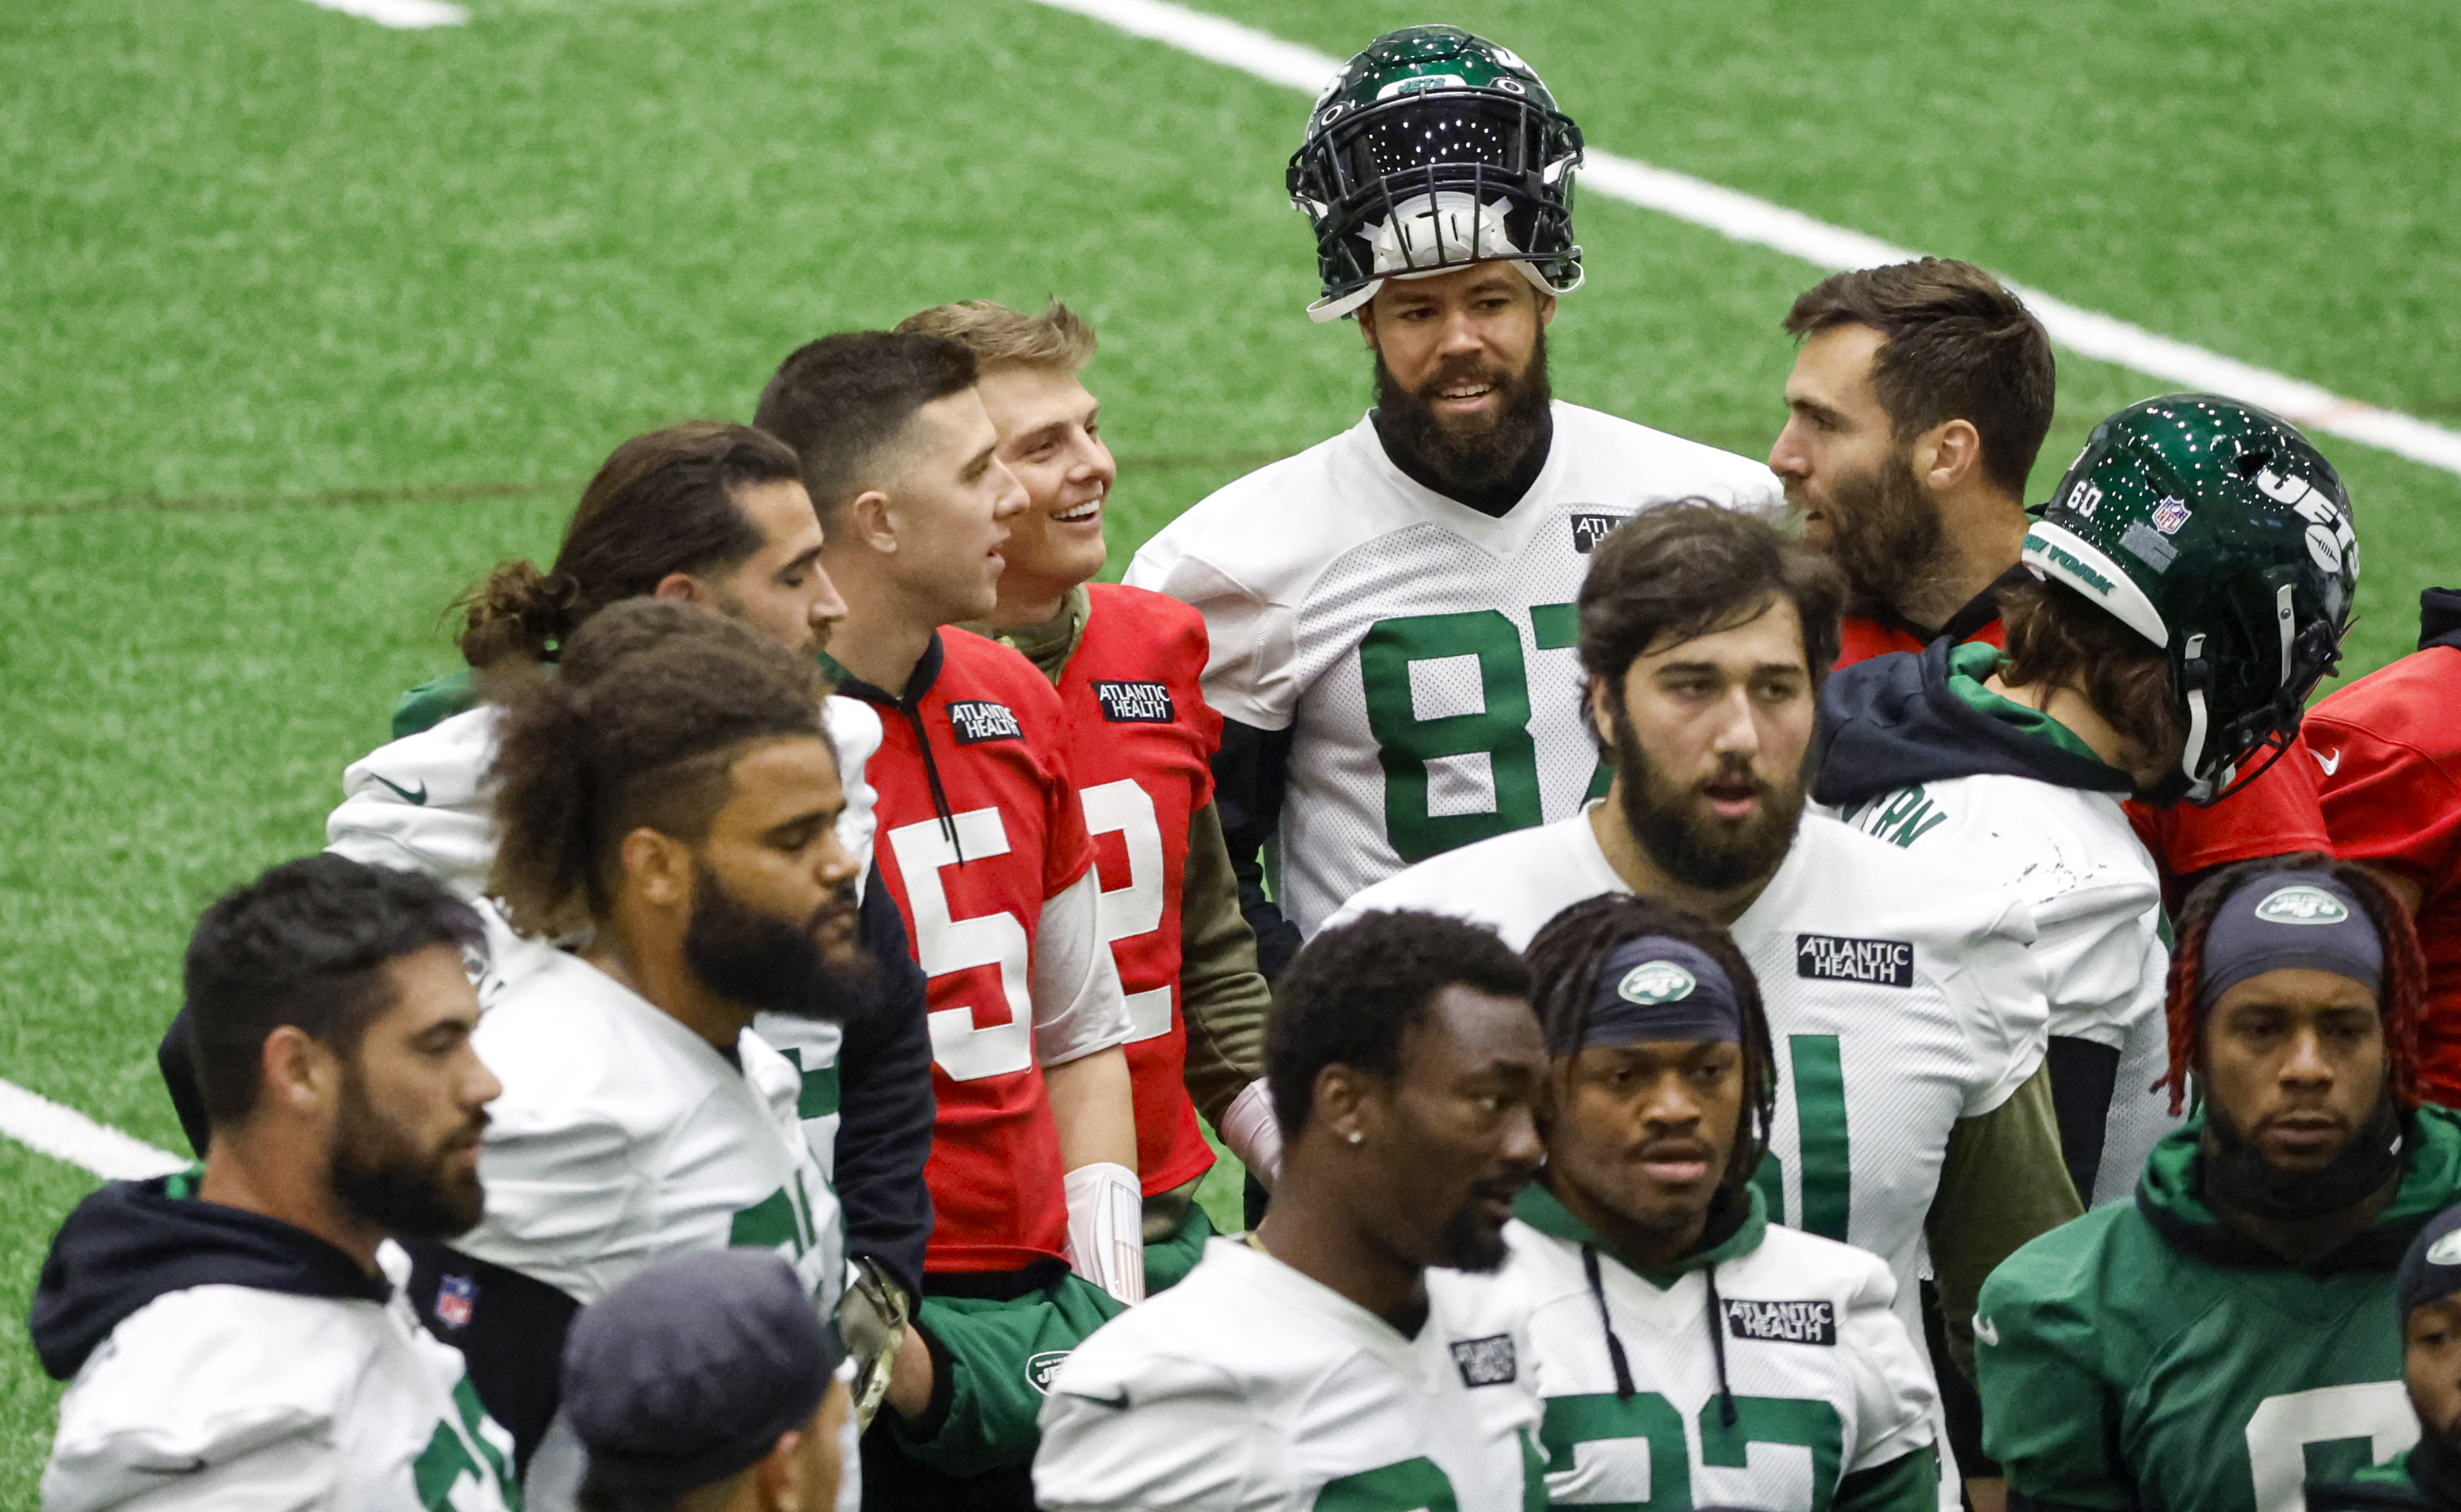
[
  {"x": 2387, "y": 749},
  {"x": 971, "y": 880},
  {"x": 2273, "y": 814},
  {"x": 1142, "y": 737}
]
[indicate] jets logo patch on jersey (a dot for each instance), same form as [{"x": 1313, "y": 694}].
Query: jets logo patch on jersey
[
  {"x": 1839, "y": 958},
  {"x": 1588, "y": 529},
  {"x": 976, "y": 720},
  {"x": 1486, "y": 1362},
  {"x": 1136, "y": 703},
  {"x": 1782, "y": 1322}
]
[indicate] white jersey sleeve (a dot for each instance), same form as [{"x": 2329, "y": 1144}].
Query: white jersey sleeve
[
  {"x": 1253, "y": 676},
  {"x": 421, "y": 804},
  {"x": 1187, "y": 1439},
  {"x": 1079, "y": 1005},
  {"x": 854, "y": 729}
]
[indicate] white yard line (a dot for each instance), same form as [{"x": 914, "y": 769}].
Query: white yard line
[
  {"x": 64, "y": 1134},
  {"x": 402, "y": 15},
  {"x": 1746, "y": 219}
]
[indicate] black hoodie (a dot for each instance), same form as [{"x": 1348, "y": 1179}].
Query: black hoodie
[
  {"x": 133, "y": 1242},
  {"x": 1897, "y": 720}
]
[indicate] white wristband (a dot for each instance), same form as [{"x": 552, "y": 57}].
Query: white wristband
[
  {"x": 1106, "y": 1229},
  {"x": 1253, "y": 1133}
]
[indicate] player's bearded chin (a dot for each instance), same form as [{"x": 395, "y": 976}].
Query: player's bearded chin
[
  {"x": 812, "y": 970},
  {"x": 1884, "y": 531},
  {"x": 2236, "y": 1175},
  {"x": 379, "y": 1173},
  {"x": 1468, "y": 1242},
  {"x": 1484, "y": 449},
  {"x": 1683, "y": 838}
]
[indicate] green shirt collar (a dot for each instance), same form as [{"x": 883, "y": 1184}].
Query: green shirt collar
[
  {"x": 1050, "y": 643},
  {"x": 1542, "y": 1211},
  {"x": 1970, "y": 665}
]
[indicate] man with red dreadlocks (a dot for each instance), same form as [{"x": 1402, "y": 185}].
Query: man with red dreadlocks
[{"x": 2232, "y": 1332}]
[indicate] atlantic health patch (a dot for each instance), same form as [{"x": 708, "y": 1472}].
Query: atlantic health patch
[
  {"x": 976, "y": 720},
  {"x": 1486, "y": 1362},
  {"x": 1840, "y": 958},
  {"x": 1135, "y": 703},
  {"x": 1782, "y": 1322}
]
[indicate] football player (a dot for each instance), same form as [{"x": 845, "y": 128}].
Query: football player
[
  {"x": 1390, "y": 611},
  {"x": 1913, "y": 1108},
  {"x": 2175, "y": 614},
  {"x": 241, "y": 1337},
  {"x": 2426, "y": 1477},
  {"x": 709, "y": 515},
  {"x": 1916, "y": 408},
  {"x": 1352, "y": 1353},
  {"x": 2388, "y": 746},
  {"x": 672, "y": 805},
  {"x": 982, "y": 841},
  {"x": 1127, "y": 665},
  {"x": 1646, "y": 1224},
  {"x": 2232, "y": 1332}
]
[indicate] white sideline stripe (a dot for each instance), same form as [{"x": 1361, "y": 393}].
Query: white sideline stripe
[
  {"x": 1746, "y": 219},
  {"x": 402, "y": 15},
  {"x": 64, "y": 1134}
]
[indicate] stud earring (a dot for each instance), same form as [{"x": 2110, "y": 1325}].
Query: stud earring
[{"x": 1356, "y": 1136}]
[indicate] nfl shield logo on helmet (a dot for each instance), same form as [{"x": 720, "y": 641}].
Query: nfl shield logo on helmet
[
  {"x": 2170, "y": 515},
  {"x": 455, "y": 1300}
]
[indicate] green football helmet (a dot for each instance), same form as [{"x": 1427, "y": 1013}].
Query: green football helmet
[
  {"x": 1432, "y": 150},
  {"x": 2216, "y": 531}
]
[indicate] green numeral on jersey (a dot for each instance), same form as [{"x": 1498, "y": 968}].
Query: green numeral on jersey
[
  {"x": 1409, "y": 1486},
  {"x": 1405, "y": 743},
  {"x": 1571, "y": 1421},
  {"x": 1820, "y": 1138}
]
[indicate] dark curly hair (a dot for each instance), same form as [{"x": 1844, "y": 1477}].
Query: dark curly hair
[
  {"x": 1357, "y": 989},
  {"x": 657, "y": 702},
  {"x": 1563, "y": 962},
  {"x": 2402, "y": 1000},
  {"x": 303, "y": 944}
]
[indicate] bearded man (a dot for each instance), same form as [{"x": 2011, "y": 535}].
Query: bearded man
[
  {"x": 1911, "y": 1106},
  {"x": 1389, "y": 612}
]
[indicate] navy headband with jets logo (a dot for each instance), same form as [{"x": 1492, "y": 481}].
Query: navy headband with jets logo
[
  {"x": 2290, "y": 921},
  {"x": 1655, "y": 988}
]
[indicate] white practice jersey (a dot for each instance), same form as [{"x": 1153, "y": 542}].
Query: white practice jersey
[
  {"x": 1250, "y": 1388},
  {"x": 1826, "y": 1379},
  {"x": 227, "y": 1396},
  {"x": 422, "y": 804},
  {"x": 622, "y": 1137},
  {"x": 1421, "y": 653},
  {"x": 2097, "y": 904},
  {"x": 1899, "y": 1002}
]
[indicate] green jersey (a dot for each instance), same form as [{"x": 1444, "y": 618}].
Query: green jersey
[
  {"x": 2388, "y": 1487},
  {"x": 2147, "y": 1355}
]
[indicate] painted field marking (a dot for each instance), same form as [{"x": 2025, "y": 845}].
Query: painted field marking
[
  {"x": 64, "y": 1134},
  {"x": 1743, "y": 217},
  {"x": 402, "y": 15}
]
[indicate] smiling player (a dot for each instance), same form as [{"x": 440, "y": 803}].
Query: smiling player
[{"x": 1391, "y": 610}]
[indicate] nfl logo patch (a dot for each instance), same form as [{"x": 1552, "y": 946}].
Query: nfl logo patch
[
  {"x": 2170, "y": 515},
  {"x": 455, "y": 1299}
]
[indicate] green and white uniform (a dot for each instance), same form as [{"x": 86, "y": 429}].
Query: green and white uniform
[
  {"x": 1420, "y": 653},
  {"x": 1832, "y": 1402},
  {"x": 2147, "y": 1355},
  {"x": 1250, "y": 1388}
]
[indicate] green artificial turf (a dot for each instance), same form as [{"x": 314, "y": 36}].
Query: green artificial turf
[{"x": 310, "y": 321}]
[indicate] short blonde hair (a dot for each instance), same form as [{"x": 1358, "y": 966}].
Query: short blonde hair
[{"x": 998, "y": 337}]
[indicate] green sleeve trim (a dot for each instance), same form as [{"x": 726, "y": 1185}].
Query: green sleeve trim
[
  {"x": 433, "y": 702},
  {"x": 1907, "y": 1484},
  {"x": 1222, "y": 996},
  {"x": 2002, "y": 1182}
]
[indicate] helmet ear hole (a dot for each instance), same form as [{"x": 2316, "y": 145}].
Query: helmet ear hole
[{"x": 2252, "y": 462}]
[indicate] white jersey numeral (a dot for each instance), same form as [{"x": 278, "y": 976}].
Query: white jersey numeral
[
  {"x": 2282, "y": 1428},
  {"x": 964, "y": 1047},
  {"x": 1134, "y": 908}
]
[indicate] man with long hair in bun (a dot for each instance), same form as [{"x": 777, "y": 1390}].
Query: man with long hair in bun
[
  {"x": 2232, "y": 1333},
  {"x": 1666, "y": 1308}
]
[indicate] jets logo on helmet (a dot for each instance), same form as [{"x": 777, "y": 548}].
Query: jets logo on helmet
[
  {"x": 1431, "y": 150},
  {"x": 2216, "y": 531}
]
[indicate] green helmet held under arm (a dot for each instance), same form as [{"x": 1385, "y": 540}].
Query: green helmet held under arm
[{"x": 2217, "y": 532}]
